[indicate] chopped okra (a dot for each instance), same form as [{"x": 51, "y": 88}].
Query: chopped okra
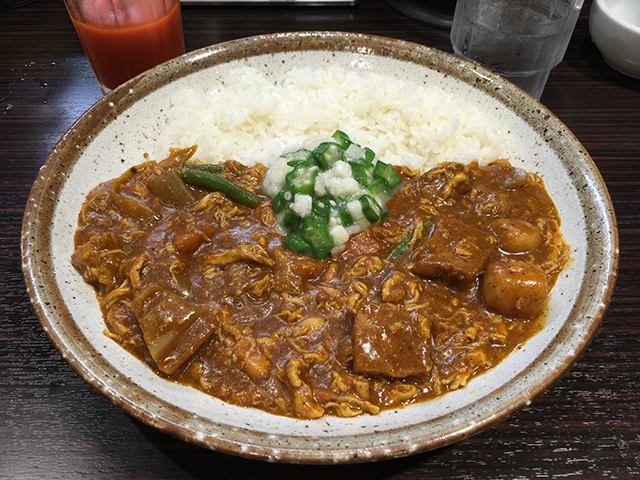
[{"x": 324, "y": 194}]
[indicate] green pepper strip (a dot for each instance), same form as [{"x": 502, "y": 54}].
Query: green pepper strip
[{"x": 199, "y": 178}]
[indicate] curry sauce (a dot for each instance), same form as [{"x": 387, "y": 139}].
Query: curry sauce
[{"x": 204, "y": 291}]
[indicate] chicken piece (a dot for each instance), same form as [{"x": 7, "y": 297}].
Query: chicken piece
[
  {"x": 305, "y": 404},
  {"x": 456, "y": 252},
  {"x": 395, "y": 287},
  {"x": 255, "y": 361},
  {"x": 390, "y": 341},
  {"x": 243, "y": 252},
  {"x": 173, "y": 328},
  {"x": 291, "y": 271},
  {"x": 359, "y": 245},
  {"x": 99, "y": 259}
]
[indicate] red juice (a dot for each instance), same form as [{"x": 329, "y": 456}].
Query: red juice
[{"x": 119, "y": 52}]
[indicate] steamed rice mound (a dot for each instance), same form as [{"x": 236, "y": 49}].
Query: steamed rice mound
[{"x": 248, "y": 117}]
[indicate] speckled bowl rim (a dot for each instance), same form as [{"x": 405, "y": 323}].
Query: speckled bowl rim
[{"x": 57, "y": 322}]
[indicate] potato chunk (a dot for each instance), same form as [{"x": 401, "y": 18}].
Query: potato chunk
[
  {"x": 517, "y": 289},
  {"x": 390, "y": 341},
  {"x": 516, "y": 235}
]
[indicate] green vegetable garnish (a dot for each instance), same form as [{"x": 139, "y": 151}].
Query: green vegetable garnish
[
  {"x": 298, "y": 157},
  {"x": 342, "y": 139},
  {"x": 280, "y": 201},
  {"x": 302, "y": 180},
  {"x": 380, "y": 190},
  {"x": 343, "y": 213},
  {"x": 316, "y": 234},
  {"x": 372, "y": 210},
  {"x": 326, "y": 154},
  {"x": 385, "y": 172},
  {"x": 296, "y": 244},
  {"x": 401, "y": 248},
  {"x": 310, "y": 230},
  {"x": 291, "y": 220},
  {"x": 361, "y": 173}
]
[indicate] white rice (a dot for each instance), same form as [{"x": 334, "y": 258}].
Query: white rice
[{"x": 250, "y": 118}]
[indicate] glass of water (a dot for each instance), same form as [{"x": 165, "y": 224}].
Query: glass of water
[{"x": 521, "y": 40}]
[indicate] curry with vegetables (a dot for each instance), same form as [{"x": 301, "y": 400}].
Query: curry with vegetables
[{"x": 198, "y": 284}]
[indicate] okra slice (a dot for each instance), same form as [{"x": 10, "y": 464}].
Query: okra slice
[
  {"x": 298, "y": 157},
  {"x": 280, "y": 201},
  {"x": 296, "y": 244},
  {"x": 322, "y": 206},
  {"x": 369, "y": 155},
  {"x": 345, "y": 217},
  {"x": 316, "y": 234},
  {"x": 327, "y": 153},
  {"x": 371, "y": 209},
  {"x": 386, "y": 172},
  {"x": 360, "y": 172},
  {"x": 291, "y": 220},
  {"x": 342, "y": 138},
  {"x": 380, "y": 190},
  {"x": 302, "y": 180}
]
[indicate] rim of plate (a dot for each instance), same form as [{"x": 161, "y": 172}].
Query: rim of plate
[{"x": 60, "y": 327}]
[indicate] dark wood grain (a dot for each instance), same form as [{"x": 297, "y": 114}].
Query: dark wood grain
[{"x": 54, "y": 426}]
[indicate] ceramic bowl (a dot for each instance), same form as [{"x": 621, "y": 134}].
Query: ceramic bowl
[
  {"x": 615, "y": 29},
  {"x": 120, "y": 128}
]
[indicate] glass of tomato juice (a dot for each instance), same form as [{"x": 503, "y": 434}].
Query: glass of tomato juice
[{"x": 123, "y": 38}]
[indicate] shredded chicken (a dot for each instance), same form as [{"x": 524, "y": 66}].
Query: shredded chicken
[{"x": 208, "y": 296}]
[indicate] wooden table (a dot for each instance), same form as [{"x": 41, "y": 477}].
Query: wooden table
[{"x": 54, "y": 426}]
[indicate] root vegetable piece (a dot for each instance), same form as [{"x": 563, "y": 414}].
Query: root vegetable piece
[{"x": 173, "y": 328}]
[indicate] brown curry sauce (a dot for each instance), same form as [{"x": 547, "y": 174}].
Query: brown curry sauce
[{"x": 208, "y": 296}]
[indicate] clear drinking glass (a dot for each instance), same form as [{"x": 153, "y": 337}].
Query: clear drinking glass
[
  {"x": 521, "y": 40},
  {"x": 123, "y": 38}
]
